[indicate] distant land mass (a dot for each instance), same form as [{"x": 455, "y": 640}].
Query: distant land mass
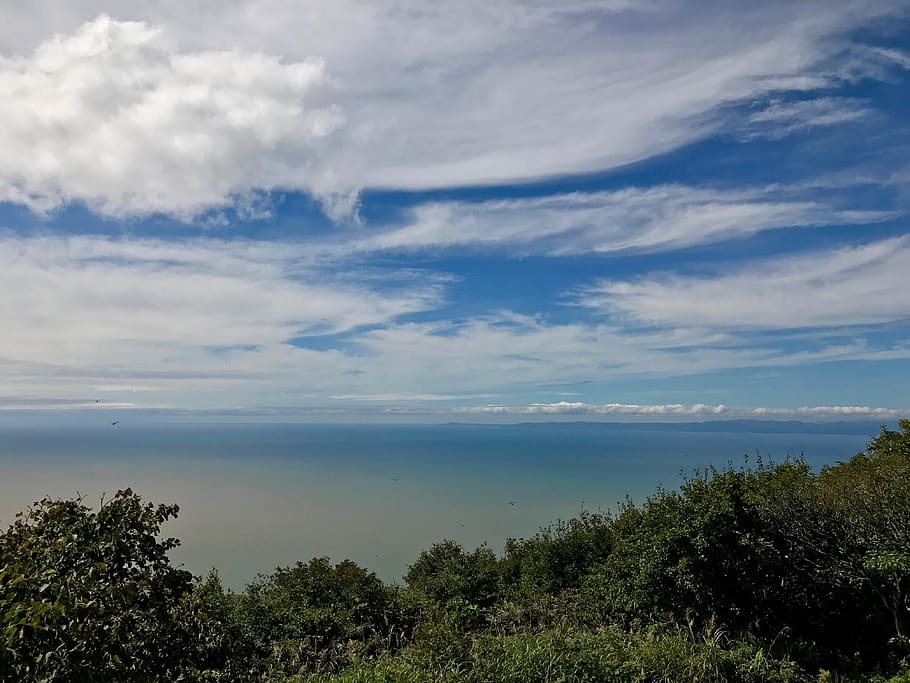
[{"x": 736, "y": 426}]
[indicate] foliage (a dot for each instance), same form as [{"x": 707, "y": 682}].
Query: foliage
[
  {"x": 445, "y": 572},
  {"x": 556, "y": 558},
  {"x": 702, "y": 553},
  {"x": 318, "y": 617},
  {"x": 89, "y": 595},
  {"x": 220, "y": 650},
  {"x": 850, "y": 529},
  {"x": 659, "y": 654},
  {"x": 869, "y": 497}
]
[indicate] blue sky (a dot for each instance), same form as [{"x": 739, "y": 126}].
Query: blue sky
[{"x": 475, "y": 211}]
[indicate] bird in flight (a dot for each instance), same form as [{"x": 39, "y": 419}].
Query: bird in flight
[
  {"x": 396, "y": 478},
  {"x": 114, "y": 424},
  {"x": 512, "y": 502}
]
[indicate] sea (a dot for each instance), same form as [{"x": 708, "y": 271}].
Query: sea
[{"x": 254, "y": 497}]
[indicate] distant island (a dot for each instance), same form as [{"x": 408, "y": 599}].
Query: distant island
[{"x": 749, "y": 426}]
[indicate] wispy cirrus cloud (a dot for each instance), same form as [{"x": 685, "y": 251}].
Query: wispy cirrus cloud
[
  {"x": 509, "y": 354},
  {"x": 91, "y": 301},
  {"x": 208, "y": 326},
  {"x": 855, "y": 285},
  {"x": 779, "y": 119},
  {"x": 398, "y": 397},
  {"x": 893, "y": 56},
  {"x": 658, "y": 218}
]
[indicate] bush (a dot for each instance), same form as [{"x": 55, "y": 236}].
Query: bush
[
  {"x": 703, "y": 553},
  {"x": 221, "y": 651},
  {"x": 556, "y": 558},
  {"x": 88, "y": 595},
  {"x": 319, "y": 617},
  {"x": 445, "y": 572},
  {"x": 818, "y": 565}
]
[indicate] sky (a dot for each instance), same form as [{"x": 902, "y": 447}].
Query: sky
[{"x": 497, "y": 210}]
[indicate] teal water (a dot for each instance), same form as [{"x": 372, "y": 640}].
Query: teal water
[{"x": 255, "y": 496}]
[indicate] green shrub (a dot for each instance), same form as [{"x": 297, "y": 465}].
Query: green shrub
[
  {"x": 445, "y": 572},
  {"x": 90, "y": 595},
  {"x": 556, "y": 558},
  {"x": 318, "y": 617}
]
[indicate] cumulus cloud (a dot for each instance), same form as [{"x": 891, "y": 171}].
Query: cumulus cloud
[
  {"x": 196, "y": 105},
  {"x": 846, "y": 286},
  {"x": 694, "y": 411},
  {"x": 577, "y": 408},
  {"x": 833, "y": 412},
  {"x": 115, "y": 117},
  {"x": 635, "y": 219}
]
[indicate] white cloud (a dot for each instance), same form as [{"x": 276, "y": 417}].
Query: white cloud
[
  {"x": 207, "y": 102},
  {"x": 578, "y": 408},
  {"x": 544, "y": 89},
  {"x": 847, "y": 286},
  {"x": 509, "y": 354},
  {"x": 393, "y": 397},
  {"x": 833, "y": 412},
  {"x": 120, "y": 388},
  {"x": 780, "y": 119},
  {"x": 692, "y": 411},
  {"x": 66, "y": 405},
  {"x": 205, "y": 324},
  {"x": 652, "y": 219},
  {"x": 114, "y": 117},
  {"x": 107, "y": 303},
  {"x": 902, "y": 59}
]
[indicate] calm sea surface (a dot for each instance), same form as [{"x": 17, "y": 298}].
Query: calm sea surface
[{"x": 255, "y": 496}]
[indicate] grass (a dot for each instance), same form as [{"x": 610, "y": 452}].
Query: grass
[{"x": 607, "y": 655}]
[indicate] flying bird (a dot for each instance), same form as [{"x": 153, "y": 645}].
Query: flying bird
[{"x": 114, "y": 424}]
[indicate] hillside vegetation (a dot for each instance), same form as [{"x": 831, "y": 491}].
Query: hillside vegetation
[{"x": 759, "y": 572}]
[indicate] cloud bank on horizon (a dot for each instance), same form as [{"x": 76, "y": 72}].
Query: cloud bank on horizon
[{"x": 606, "y": 209}]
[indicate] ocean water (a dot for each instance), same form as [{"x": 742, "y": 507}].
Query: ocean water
[{"x": 257, "y": 496}]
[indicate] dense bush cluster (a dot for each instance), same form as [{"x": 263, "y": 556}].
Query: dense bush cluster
[{"x": 764, "y": 572}]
